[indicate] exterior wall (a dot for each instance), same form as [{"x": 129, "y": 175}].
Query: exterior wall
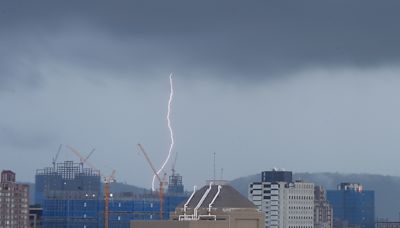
[
  {"x": 35, "y": 217},
  {"x": 286, "y": 205},
  {"x": 71, "y": 196},
  {"x": 89, "y": 212},
  {"x": 175, "y": 185},
  {"x": 180, "y": 224},
  {"x": 300, "y": 205},
  {"x": 276, "y": 176},
  {"x": 14, "y": 204},
  {"x": 230, "y": 219},
  {"x": 383, "y": 224},
  {"x": 65, "y": 177},
  {"x": 357, "y": 208},
  {"x": 323, "y": 212}
]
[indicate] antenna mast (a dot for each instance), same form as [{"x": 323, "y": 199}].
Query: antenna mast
[{"x": 214, "y": 165}]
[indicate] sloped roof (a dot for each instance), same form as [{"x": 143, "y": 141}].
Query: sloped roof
[{"x": 227, "y": 198}]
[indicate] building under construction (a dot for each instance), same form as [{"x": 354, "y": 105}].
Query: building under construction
[
  {"x": 59, "y": 189},
  {"x": 71, "y": 196},
  {"x": 67, "y": 180},
  {"x": 175, "y": 185}
]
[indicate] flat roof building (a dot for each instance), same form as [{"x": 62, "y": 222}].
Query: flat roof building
[
  {"x": 285, "y": 204},
  {"x": 352, "y": 205}
]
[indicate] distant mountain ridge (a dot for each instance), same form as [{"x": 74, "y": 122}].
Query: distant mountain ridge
[{"x": 387, "y": 188}]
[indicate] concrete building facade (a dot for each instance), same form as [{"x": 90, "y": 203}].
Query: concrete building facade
[
  {"x": 285, "y": 203},
  {"x": 323, "y": 212},
  {"x": 14, "y": 202}
]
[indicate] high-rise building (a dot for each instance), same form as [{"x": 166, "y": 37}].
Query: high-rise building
[
  {"x": 323, "y": 212},
  {"x": 58, "y": 187},
  {"x": 71, "y": 196},
  {"x": 65, "y": 180},
  {"x": 14, "y": 202},
  {"x": 286, "y": 203},
  {"x": 352, "y": 205}
]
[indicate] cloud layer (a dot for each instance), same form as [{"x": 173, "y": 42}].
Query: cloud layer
[{"x": 257, "y": 82}]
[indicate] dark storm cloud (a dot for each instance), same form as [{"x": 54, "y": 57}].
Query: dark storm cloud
[{"x": 249, "y": 39}]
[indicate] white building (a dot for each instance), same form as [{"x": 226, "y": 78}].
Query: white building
[{"x": 286, "y": 204}]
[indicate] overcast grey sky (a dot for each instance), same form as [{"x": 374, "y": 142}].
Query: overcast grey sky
[{"x": 302, "y": 85}]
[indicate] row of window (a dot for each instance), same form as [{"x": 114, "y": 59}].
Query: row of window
[
  {"x": 300, "y": 226},
  {"x": 301, "y": 207},
  {"x": 302, "y": 197},
  {"x": 302, "y": 217}
]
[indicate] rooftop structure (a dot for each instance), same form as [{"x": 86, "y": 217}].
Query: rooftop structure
[
  {"x": 214, "y": 205},
  {"x": 276, "y": 175}
]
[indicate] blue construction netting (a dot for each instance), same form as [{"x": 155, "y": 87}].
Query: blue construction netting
[{"x": 90, "y": 212}]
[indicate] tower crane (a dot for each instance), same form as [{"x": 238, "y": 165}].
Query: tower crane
[
  {"x": 161, "y": 181},
  {"x": 54, "y": 160},
  {"x": 107, "y": 180},
  {"x": 173, "y": 164}
]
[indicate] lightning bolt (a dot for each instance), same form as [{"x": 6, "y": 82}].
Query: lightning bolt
[{"x": 171, "y": 96}]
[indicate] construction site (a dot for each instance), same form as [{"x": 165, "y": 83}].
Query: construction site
[
  {"x": 79, "y": 195},
  {"x": 76, "y": 194}
]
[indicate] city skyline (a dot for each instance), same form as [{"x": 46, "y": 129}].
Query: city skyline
[{"x": 257, "y": 83}]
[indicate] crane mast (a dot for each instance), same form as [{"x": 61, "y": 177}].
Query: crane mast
[
  {"x": 161, "y": 181},
  {"x": 106, "y": 186}
]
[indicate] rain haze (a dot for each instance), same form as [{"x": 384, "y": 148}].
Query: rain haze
[{"x": 308, "y": 86}]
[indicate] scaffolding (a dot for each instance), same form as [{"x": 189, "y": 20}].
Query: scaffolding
[
  {"x": 175, "y": 185},
  {"x": 66, "y": 180}
]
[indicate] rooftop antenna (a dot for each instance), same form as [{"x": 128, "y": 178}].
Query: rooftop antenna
[
  {"x": 56, "y": 157},
  {"x": 214, "y": 166}
]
